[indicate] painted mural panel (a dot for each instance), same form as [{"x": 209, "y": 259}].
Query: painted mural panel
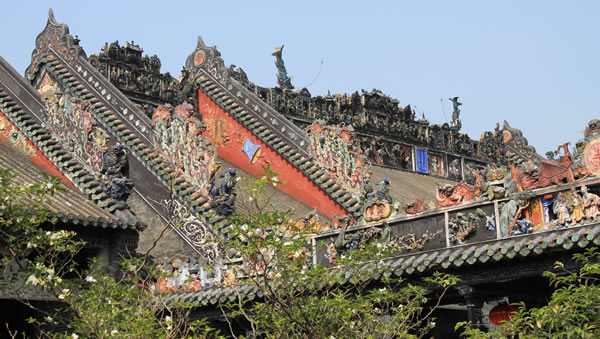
[
  {"x": 471, "y": 169},
  {"x": 454, "y": 168},
  {"x": 15, "y": 137},
  {"x": 12, "y": 135},
  {"x": 535, "y": 212},
  {"x": 436, "y": 164},
  {"x": 239, "y": 146},
  {"x": 401, "y": 157}
]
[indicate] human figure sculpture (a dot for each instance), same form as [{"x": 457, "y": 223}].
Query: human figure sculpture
[
  {"x": 590, "y": 202},
  {"x": 223, "y": 195},
  {"x": 578, "y": 208},
  {"x": 562, "y": 212}
]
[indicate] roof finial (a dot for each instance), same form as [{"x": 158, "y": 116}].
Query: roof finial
[
  {"x": 51, "y": 16},
  {"x": 283, "y": 79}
]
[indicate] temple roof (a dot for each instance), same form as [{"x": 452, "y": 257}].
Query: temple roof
[
  {"x": 417, "y": 263},
  {"x": 213, "y": 78},
  {"x": 22, "y": 105},
  {"x": 69, "y": 206}
]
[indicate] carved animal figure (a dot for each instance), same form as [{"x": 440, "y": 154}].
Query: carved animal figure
[
  {"x": 413, "y": 206},
  {"x": 223, "y": 195},
  {"x": 449, "y": 195},
  {"x": 529, "y": 175}
]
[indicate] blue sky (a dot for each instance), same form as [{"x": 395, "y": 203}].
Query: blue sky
[{"x": 535, "y": 64}]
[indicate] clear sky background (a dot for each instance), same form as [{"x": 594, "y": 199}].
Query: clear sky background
[{"x": 535, "y": 64}]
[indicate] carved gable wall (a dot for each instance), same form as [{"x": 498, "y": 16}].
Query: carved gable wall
[
  {"x": 71, "y": 122},
  {"x": 236, "y": 144}
]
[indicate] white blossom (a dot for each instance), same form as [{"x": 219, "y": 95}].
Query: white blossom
[
  {"x": 74, "y": 336},
  {"x": 114, "y": 332},
  {"x": 31, "y": 280},
  {"x": 90, "y": 279}
]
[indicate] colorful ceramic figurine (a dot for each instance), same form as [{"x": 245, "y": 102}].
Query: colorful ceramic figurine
[
  {"x": 591, "y": 202},
  {"x": 577, "y": 208},
  {"x": 562, "y": 213}
]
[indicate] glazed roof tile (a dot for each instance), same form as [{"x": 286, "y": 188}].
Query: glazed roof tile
[
  {"x": 68, "y": 207},
  {"x": 21, "y": 104},
  {"x": 441, "y": 259}
]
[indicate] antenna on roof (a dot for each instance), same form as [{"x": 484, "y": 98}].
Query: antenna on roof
[{"x": 316, "y": 77}]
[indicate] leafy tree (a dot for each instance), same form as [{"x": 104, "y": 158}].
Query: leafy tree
[
  {"x": 300, "y": 298},
  {"x": 304, "y": 299},
  {"x": 572, "y": 312},
  {"x": 92, "y": 302}
]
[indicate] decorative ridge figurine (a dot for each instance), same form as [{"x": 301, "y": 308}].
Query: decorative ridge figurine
[
  {"x": 456, "y": 113},
  {"x": 283, "y": 79},
  {"x": 223, "y": 195}
]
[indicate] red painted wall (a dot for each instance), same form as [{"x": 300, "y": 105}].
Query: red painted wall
[
  {"x": 29, "y": 149},
  {"x": 229, "y": 136}
]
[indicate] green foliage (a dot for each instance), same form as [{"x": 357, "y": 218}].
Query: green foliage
[
  {"x": 98, "y": 305},
  {"x": 572, "y": 312},
  {"x": 28, "y": 239},
  {"x": 258, "y": 188},
  {"x": 299, "y": 298},
  {"x": 304, "y": 299},
  {"x": 93, "y": 303}
]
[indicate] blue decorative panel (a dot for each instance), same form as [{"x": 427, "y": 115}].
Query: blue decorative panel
[
  {"x": 422, "y": 162},
  {"x": 251, "y": 150}
]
